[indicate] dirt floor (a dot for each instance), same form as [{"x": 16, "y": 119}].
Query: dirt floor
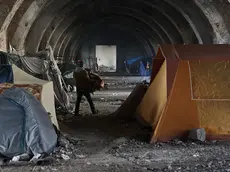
[{"x": 103, "y": 143}]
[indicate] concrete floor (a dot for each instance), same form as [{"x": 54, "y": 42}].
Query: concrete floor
[{"x": 104, "y": 143}]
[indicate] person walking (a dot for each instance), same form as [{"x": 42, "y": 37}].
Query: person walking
[{"x": 84, "y": 86}]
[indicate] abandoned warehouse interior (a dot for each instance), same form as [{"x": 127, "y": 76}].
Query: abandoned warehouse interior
[{"x": 164, "y": 102}]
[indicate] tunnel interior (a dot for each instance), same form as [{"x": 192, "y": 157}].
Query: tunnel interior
[{"x": 73, "y": 28}]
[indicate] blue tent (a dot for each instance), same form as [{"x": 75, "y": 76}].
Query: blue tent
[
  {"x": 133, "y": 60},
  {"x": 142, "y": 69},
  {"x": 6, "y": 74},
  {"x": 25, "y": 126}
]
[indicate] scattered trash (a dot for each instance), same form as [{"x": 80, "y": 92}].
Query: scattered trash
[
  {"x": 16, "y": 158},
  {"x": 210, "y": 164},
  {"x": 196, "y": 155},
  {"x": 23, "y": 157},
  {"x": 62, "y": 141},
  {"x": 170, "y": 167},
  {"x": 35, "y": 157},
  {"x": 65, "y": 157}
]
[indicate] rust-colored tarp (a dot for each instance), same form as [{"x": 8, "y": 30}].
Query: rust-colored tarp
[{"x": 194, "y": 92}]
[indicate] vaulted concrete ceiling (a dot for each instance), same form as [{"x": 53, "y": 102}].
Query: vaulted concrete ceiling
[{"x": 30, "y": 25}]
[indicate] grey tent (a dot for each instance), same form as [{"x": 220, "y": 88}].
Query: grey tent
[{"x": 25, "y": 126}]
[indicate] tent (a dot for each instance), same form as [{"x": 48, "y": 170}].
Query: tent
[
  {"x": 42, "y": 66},
  {"x": 189, "y": 89},
  {"x": 47, "y": 92},
  {"x": 6, "y": 74},
  {"x": 25, "y": 127}
]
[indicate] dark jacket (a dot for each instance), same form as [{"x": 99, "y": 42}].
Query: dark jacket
[{"x": 82, "y": 79}]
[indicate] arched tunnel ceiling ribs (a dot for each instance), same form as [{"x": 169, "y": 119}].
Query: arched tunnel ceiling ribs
[
  {"x": 148, "y": 47},
  {"x": 194, "y": 16},
  {"x": 35, "y": 37},
  {"x": 176, "y": 17},
  {"x": 125, "y": 25},
  {"x": 218, "y": 14},
  {"x": 43, "y": 22},
  {"x": 34, "y": 40},
  {"x": 27, "y": 20},
  {"x": 119, "y": 22},
  {"x": 48, "y": 13},
  {"x": 78, "y": 33},
  {"x": 30, "y": 25}
]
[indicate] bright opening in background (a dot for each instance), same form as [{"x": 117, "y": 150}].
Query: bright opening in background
[{"x": 106, "y": 57}]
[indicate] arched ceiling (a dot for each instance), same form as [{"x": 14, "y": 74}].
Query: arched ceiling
[{"x": 30, "y": 25}]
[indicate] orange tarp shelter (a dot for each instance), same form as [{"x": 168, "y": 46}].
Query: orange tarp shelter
[{"x": 190, "y": 88}]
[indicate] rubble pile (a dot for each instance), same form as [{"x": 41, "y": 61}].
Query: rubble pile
[
  {"x": 176, "y": 155},
  {"x": 68, "y": 148}
]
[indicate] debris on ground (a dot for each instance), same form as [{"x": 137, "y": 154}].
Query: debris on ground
[{"x": 102, "y": 143}]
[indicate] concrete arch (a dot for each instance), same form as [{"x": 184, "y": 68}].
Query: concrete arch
[
  {"x": 66, "y": 17},
  {"x": 31, "y": 44},
  {"x": 119, "y": 19},
  {"x": 148, "y": 48},
  {"x": 43, "y": 44},
  {"x": 26, "y": 22},
  {"x": 221, "y": 33},
  {"x": 147, "y": 36},
  {"x": 207, "y": 21},
  {"x": 17, "y": 18},
  {"x": 195, "y": 17},
  {"x": 42, "y": 22},
  {"x": 8, "y": 10}
]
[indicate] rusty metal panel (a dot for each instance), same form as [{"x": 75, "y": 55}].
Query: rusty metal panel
[
  {"x": 155, "y": 98},
  {"x": 172, "y": 64},
  {"x": 203, "y": 52},
  {"x": 211, "y": 91},
  {"x": 210, "y": 80},
  {"x": 157, "y": 63},
  {"x": 180, "y": 114}
]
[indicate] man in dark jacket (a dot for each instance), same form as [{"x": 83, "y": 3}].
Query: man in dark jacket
[{"x": 84, "y": 86}]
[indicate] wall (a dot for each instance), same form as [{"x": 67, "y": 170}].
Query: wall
[
  {"x": 107, "y": 56},
  {"x": 3, "y": 41},
  {"x": 127, "y": 47}
]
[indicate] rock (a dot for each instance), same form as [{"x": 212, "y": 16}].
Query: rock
[
  {"x": 170, "y": 167},
  {"x": 65, "y": 157},
  {"x": 131, "y": 159},
  {"x": 196, "y": 155},
  {"x": 120, "y": 140},
  {"x": 197, "y": 134},
  {"x": 63, "y": 142},
  {"x": 45, "y": 161}
]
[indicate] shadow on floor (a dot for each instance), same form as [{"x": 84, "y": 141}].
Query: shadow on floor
[{"x": 109, "y": 127}]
